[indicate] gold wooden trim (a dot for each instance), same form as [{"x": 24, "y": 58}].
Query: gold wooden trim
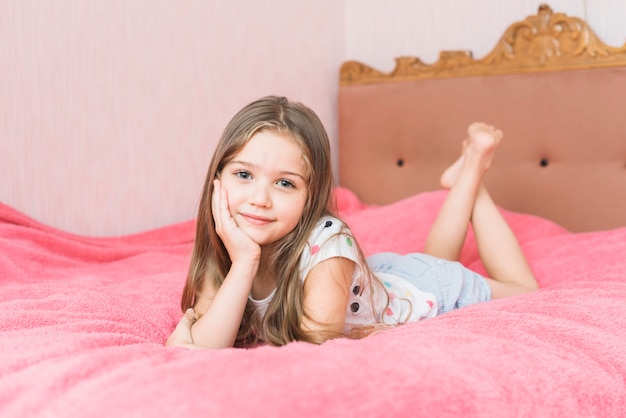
[{"x": 544, "y": 42}]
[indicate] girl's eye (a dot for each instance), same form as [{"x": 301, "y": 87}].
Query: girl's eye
[
  {"x": 244, "y": 175},
  {"x": 286, "y": 183}
]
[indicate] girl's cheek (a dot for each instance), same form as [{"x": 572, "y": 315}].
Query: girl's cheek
[{"x": 232, "y": 197}]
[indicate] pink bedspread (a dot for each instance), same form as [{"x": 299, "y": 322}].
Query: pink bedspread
[{"x": 83, "y": 320}]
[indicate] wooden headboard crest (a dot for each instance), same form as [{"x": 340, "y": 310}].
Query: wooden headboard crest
[{"x": 546, "y": 41}]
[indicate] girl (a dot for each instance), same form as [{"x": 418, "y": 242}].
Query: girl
[{"x": 272, "y": 263}]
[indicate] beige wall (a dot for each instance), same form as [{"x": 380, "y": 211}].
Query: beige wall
[{"x": 109, "y": 110}]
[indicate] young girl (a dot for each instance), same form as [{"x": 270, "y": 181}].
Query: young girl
[{"x": 272, "y": 263}]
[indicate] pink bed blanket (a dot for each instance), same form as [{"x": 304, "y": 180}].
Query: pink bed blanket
[{"x": 83, "y": 320}]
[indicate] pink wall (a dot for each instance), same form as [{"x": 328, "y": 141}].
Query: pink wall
[{"x": 110, "y": 110}]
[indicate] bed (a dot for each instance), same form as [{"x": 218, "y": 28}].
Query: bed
[{"x": 83, "y": 320}]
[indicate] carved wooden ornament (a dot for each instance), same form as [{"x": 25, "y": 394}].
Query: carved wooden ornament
[{"x": 546, "y": 41}]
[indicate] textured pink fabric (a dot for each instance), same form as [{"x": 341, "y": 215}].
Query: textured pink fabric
[{"x": 83, "y": 320}]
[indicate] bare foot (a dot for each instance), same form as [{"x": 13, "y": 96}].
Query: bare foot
[
  {"x": 181, "y": 336},
  {"x": 479, "y": 147},
  {"x": 449, "y": 176}
]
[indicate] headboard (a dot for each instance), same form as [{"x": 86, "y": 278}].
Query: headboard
[{"x": 554, "y": 88}]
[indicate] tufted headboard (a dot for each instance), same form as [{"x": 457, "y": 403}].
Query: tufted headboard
[{"x": 555, "y": 89}]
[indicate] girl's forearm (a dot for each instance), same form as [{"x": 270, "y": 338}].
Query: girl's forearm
[{"x": 218, "y": 326}]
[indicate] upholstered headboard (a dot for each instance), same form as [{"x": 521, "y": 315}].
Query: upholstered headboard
[{"x": 555, "y": 89}]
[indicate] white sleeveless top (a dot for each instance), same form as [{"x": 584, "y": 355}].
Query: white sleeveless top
[{"x": 332, "y": 238}]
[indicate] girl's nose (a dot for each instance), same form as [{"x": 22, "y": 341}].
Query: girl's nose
[{"x": 260, "y": 196}]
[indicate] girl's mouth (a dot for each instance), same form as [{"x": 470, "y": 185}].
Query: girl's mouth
[{"x": 256, "y": 219}]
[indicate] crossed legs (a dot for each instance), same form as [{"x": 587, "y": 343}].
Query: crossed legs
[{"x": 469, "y": 202}]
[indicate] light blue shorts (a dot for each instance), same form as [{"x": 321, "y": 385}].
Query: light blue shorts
[{"x": 453, "y": 284}]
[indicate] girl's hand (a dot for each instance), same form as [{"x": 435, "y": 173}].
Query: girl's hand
[
  {"x": 181, "y": 336},
  {"x": 222, "y": 306},
  {"x": 240, "y": 247}
]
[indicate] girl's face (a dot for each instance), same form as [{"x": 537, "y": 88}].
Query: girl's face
[{"x": 267, "y": 186}]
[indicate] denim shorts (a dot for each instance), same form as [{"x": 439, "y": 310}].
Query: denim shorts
[{"x": 453, "y": 284}]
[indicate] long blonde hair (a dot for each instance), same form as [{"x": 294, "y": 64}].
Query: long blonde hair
[{"x": 210, "y": 261}]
